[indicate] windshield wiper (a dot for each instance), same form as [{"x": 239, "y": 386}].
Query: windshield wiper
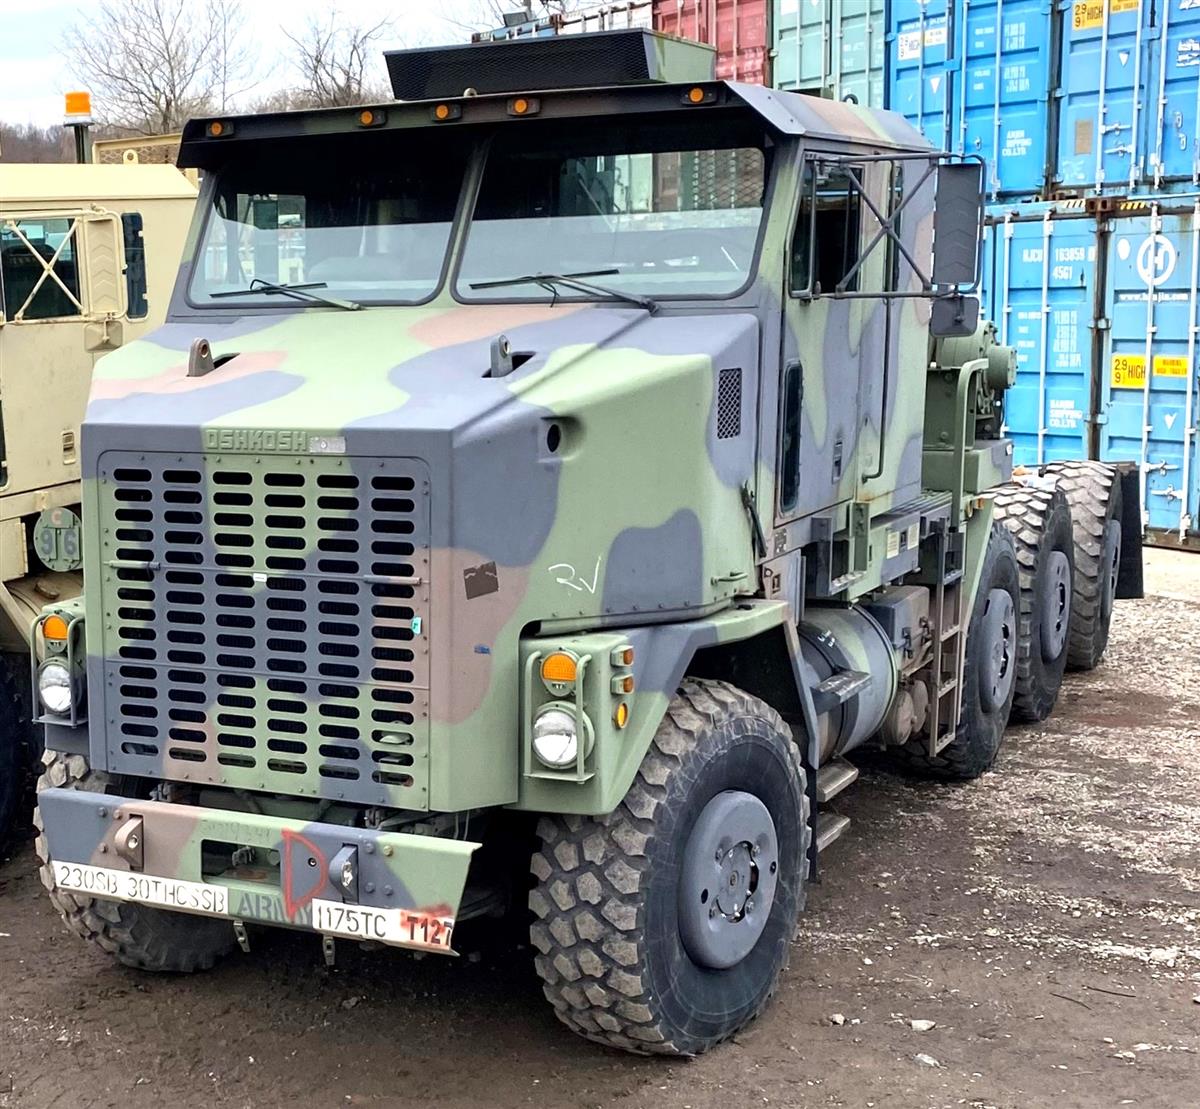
[
  {"x": 548, "y": 281},
  {"x": 297, "y": 291}
]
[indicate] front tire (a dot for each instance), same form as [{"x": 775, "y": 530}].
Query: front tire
[
  {"x": 631, "y": 955},
  {"x": 138, "y": 936}
]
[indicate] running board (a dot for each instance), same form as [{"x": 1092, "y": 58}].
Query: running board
[
  {"x": 834, "y": 777},
  {"x": 829, "y": 827}
]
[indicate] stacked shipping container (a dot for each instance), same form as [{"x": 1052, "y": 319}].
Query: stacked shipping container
[{"x": 1087, "y": 116}]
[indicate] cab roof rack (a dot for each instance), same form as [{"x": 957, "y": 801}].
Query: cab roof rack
[{"x": 537, "y": 64}]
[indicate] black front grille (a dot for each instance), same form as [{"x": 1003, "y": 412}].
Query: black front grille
[{"x": 265, "y": 622}]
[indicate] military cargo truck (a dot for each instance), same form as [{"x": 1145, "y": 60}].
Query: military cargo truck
[
  {"x": 577, "y": 450},
  {"x": 87, "y": 257}
]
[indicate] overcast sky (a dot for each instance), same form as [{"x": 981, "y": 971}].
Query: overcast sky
[{"x": 34, "y": 75}]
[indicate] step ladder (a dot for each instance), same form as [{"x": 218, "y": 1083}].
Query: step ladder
[{"x": 943, "y": 673}]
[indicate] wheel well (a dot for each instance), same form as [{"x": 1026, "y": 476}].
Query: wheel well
[{"x": 761, "y": 666}]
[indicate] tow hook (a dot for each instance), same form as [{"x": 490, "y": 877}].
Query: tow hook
[{"x": 130, "y": 842}]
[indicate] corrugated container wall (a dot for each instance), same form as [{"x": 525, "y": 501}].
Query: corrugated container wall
[
  {"x": 977, "y": 78},
  {"x": 1148, "y": 373},
  {"x": 1103, "y": 312},
  {"x": 1058, "y": 96},
  {"x": 836, "y": 48},
  {"x": 737, "y": 28},
  {"x": 1039, "y": 289}
]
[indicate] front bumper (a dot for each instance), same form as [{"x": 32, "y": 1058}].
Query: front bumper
[{"x": 390, "y": 887}]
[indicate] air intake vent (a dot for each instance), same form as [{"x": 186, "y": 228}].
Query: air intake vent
[
  {"x": 626, "y": 57},
  {"x": 265, "y": 623},
  {"x": 729, "y": 404}
]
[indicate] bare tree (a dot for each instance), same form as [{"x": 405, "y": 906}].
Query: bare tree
[
  {"x": 483, "y": 15},
  {"x": 152, "y": 64},
  {"x": 338, "y": 63},
  {"x": 26, "y": 142}
]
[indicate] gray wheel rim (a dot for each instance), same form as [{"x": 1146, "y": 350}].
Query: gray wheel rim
[
  {"x": 1056, "y": 605},
  {"x": 1112, "y": 554},
  {"x": 728, "y": 878},
  {"x": 1000, "y": 635}
]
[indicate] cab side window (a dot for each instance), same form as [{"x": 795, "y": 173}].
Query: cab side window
[
  {"x": 135, "y": 265},
  {"x": 39, "y": 270},
  {"x": 828, "y": 232}
]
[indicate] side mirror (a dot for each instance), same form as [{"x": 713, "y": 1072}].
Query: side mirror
[
  {"x": 102, "y": 249},
  {"x": 957, "y": 222}
]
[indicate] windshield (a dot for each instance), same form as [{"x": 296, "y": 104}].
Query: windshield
[
  {"x": 653, "y": 208},
  {"x": 376, "y": 233}
]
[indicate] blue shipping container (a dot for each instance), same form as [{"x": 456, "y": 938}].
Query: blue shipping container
[
  {"x": 1173, "y": 146},
  {"x": 1149, "y": 374},
  {"x": 1089, "y": 96},
  {"x": 921, "y": 70},
  {"x": 1102, "y": 113},
  {"x": 1039, "y": 289},
  {"x": 976, "y": 78},
  {"x": 1005, "y": 102}
]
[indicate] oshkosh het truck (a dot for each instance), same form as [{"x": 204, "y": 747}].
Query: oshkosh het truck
[{"x": 576, "y": 445}]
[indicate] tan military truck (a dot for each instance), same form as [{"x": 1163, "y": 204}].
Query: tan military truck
[{"x": 88, "y": 257}]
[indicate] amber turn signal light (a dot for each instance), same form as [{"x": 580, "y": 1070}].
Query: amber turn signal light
[
  {"x": 559, "y": 668},
  {"x": 54, "y": 627}
]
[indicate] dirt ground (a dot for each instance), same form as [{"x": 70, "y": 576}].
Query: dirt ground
[{"x": 1045, "y": 918}]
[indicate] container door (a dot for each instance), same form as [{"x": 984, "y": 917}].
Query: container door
[
  {"x": 1150, "y": 368},
  {"x": 921, "y": 71},
  {"x": 1006, "y": 97},
  {"x": 858, "y": 50},
  {"x": 1042, "y": 268},
  {"x": 737, "y": 28},
  {"x": 1104, "y": 68},
  {"x": 800, "y": 38},
  {"x": 1173, "y": 146}
]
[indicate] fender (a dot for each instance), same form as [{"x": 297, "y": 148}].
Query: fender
[{"x": 663, "y": 654}]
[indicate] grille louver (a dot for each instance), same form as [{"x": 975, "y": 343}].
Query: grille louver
[{"x": 265, "y": 623}]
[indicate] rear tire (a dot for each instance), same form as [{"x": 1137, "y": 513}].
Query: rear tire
[
  {"x": 1093, "y": 491},
  {"x": 18, "y": 751},
  {"x": 1039, "y": 521},
  {"x": 646, "y": 943},
  {"x": 988, "y": 676},
  {"x": 138, "y": 936}
]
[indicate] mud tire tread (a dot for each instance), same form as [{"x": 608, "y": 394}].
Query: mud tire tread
[
  {"x": 1030, "y": 514},
  {"x": 137, "y": 936},
  {"x": 1094, "y": 493},
  {"x": 588, "y": 930}
]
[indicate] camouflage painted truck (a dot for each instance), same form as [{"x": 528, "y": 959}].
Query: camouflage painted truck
[
  {"x": 533, "y": 497},
  {"x": 87, "y": 258}
]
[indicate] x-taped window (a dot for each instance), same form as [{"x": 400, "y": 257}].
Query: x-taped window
[
  {"x": 39, "y": 269},
  {"x": 829, "y": 231}
]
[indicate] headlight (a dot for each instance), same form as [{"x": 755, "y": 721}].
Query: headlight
[
  {"x": 556, "y": 736},
  {"x": 54, "y": 688}
]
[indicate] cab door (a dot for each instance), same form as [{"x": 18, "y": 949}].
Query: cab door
[
  {"x": 62, "y": 302},
  {"x": 834, "y": 349}
]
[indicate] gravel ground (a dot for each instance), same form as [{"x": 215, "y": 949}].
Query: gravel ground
[{"x": 1041, "y": 926}]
